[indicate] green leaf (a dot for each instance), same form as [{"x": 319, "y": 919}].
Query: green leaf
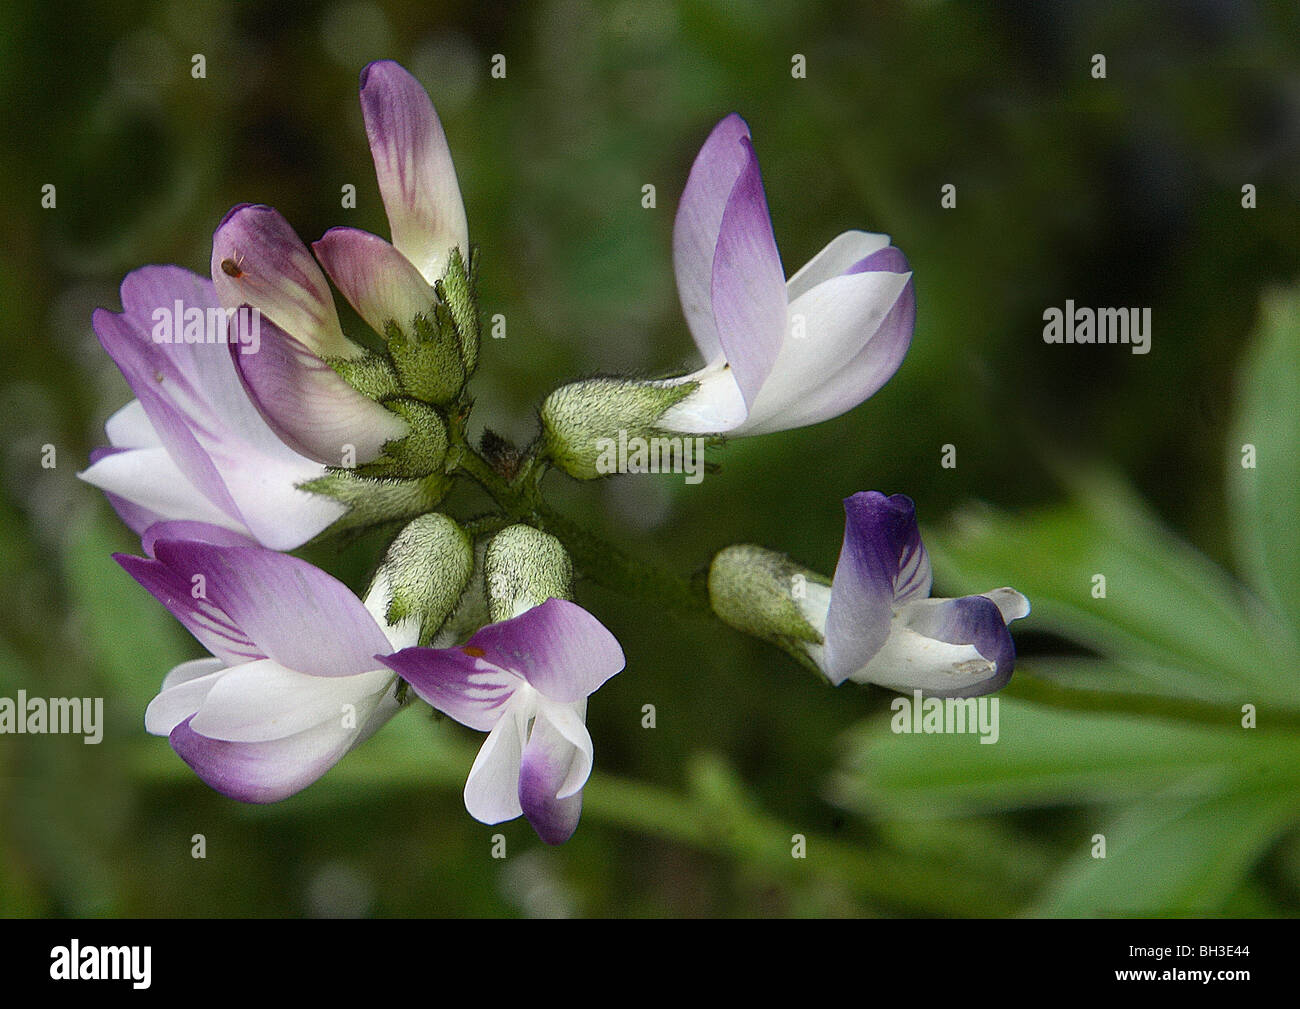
[
  {"x": 1044, "y": 756},
  {"x": 1166, "y": 605},
  {"x": 1265, "y": 499},
  {"x": 1170, "y": 858}
]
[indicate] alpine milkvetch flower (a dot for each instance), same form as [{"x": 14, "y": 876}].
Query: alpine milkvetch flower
[
  {"x": 258, "y": 259},
  {"x": 292, "y": 683},
  {"x": 192, "y": 446},
  {"x": 524, "y": 681},
  {"x": 880, "y": 625},
  {"x": 778, "y": 354}
]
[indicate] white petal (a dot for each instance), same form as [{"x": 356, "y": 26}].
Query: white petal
[
  {"x": 841, "y": 253},
  {"x": 149, "y": 478},
  {"x": 130, "y": 427},
  {"x": 182, "y": 694},
  {"x": 492, "y": 791},
  {"x": 716, "y": 406}
]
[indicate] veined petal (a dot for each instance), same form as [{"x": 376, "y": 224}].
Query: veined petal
[
  {"x": 296, "y": 614},
  {"x": 748, "y": 286},
  {"x": 182, "y": 692},
  {"x": 149, "y": 479},
  {"x": 550, "y": 764},
  {"x": 716, "y": 406},
  {"x": 492, "y": 790},
  {"x": 262, "y": 700},
  {"x": 457, "y": 682},
  {"x": 882, "y": 561},
  {"x": 378, "y": 281},
  {"x": 309, "y": 404},
  {"x": 847, "y": 337},
  {"x": 699, "y": 219},
  {"x": 258, "y": 260},
  {"x": 417, "y": 179},
  {"x": 262, "y": 772},
  {"x": 842, "y": 252},
  {"x": 558, "y": 647}
]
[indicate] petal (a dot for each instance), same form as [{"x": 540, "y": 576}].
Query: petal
[
  {"x": 881, "y": 562},
  {"x": 295, "y": 613},
  {"x": 417, "y": 179},
  {"x": 182, "y": 693},
  {"x": 150, "y": 481},
  {"x": 184, "y": 530},
  {"x": 748, "y": 292},
  {"x": 309, "y": 404},
  {"x": 835, "y": 259},
  {"x": 695, "y": 229},
  {"x": 946, "y": 647},
  {"x": 262, "y": 772},
  {"x": 468, "y": 688},
  {"x": 549, "y": 768},
  {"x": 129, "y": 427},
  {"x": 1010, "y": 603},
  {"x": 276, "y": 276},
  {"x": 378, "y": 281},
  {"x": 847, "y": 337},
  {"x": 558, "y": 647},
  {"x": 492, "y": 790},
  {"x": 208, "y": 623},
  {"x": 716, "y": 406},
  {"x": 260, "y": 701}
]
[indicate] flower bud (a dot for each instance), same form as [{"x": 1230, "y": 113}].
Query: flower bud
[
  {"x": 583, "y": 421},
  {"x": 522, "y": 568},
  {"x": 424, "y": 574},
  {"x": 766, "y": 594}
]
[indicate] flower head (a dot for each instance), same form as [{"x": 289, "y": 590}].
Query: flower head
[
  {"x": 524, "y": 681},
  {"x": 881, "y": 626},
  {"x": 191, "y": 446},
  {"x": 778, "y": 354},
  {"x": 293, "y": 683}
]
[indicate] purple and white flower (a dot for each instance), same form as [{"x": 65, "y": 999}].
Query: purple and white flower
[
  {"x": 292, "y": 683},
  {"x": 192, "y": 446},
  {"x": 880, "y": 624},
  {"x": 778, "y": 354},
  {"x": 524, "y": 681},
  {"x": 258, "y": 259}
]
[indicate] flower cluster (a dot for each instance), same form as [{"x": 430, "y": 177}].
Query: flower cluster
[{"x": 260, "y": 425}]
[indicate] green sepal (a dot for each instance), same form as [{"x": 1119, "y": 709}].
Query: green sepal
[
  {"x": 426, "y": 353},
  {"x": 426, "y": 569},
  {"x": 578, "y": 418},
  {"x": 752, "y": 589},
  {"x": 374, "y": 500},
  {"x": 423, "y": 450},
  {"x": 522, "y": 568},
  {"x": 371, "y": 374},
  {"x": 458, "y": 290}
]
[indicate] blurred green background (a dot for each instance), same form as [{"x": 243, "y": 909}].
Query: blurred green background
[{"x": 1123, "y": 717}]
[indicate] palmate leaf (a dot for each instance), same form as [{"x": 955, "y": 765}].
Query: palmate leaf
[
  {"x": 1171, "y": 856},
  {"x": 1192, "y": 627},
  {"x": 1045, "y": 756},
  {"x": 1265, "y": 500}
]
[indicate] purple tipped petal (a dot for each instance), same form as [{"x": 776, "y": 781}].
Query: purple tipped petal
[
  {"x": 748, "y": 285},
  {"x": 492, "y": 790},
  {"x": 836, "y": 259},
  {"x": 296, "y": 614},
  {"x": 558, "y": 647},
  {"x": 882, "y": 562},
  {"x": 886, "y": 260},
  {"x": 258, "y": 260},
  {"x": 460, "y": 684},
  {"x": 309, "y": 405},
  {"x": 852, "y": 334},
  {"x": 549, "y": 763},
  {"x": 971, "y": 620},
  {"x": 699, "y": 219},
  {"x": 417, "y": 179},
  {"x": 206, "y": 621},
  {"x": 262, "y": 772},
  {"x": 203, "y": 532},
  {"x": 378, "y": 281}
]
